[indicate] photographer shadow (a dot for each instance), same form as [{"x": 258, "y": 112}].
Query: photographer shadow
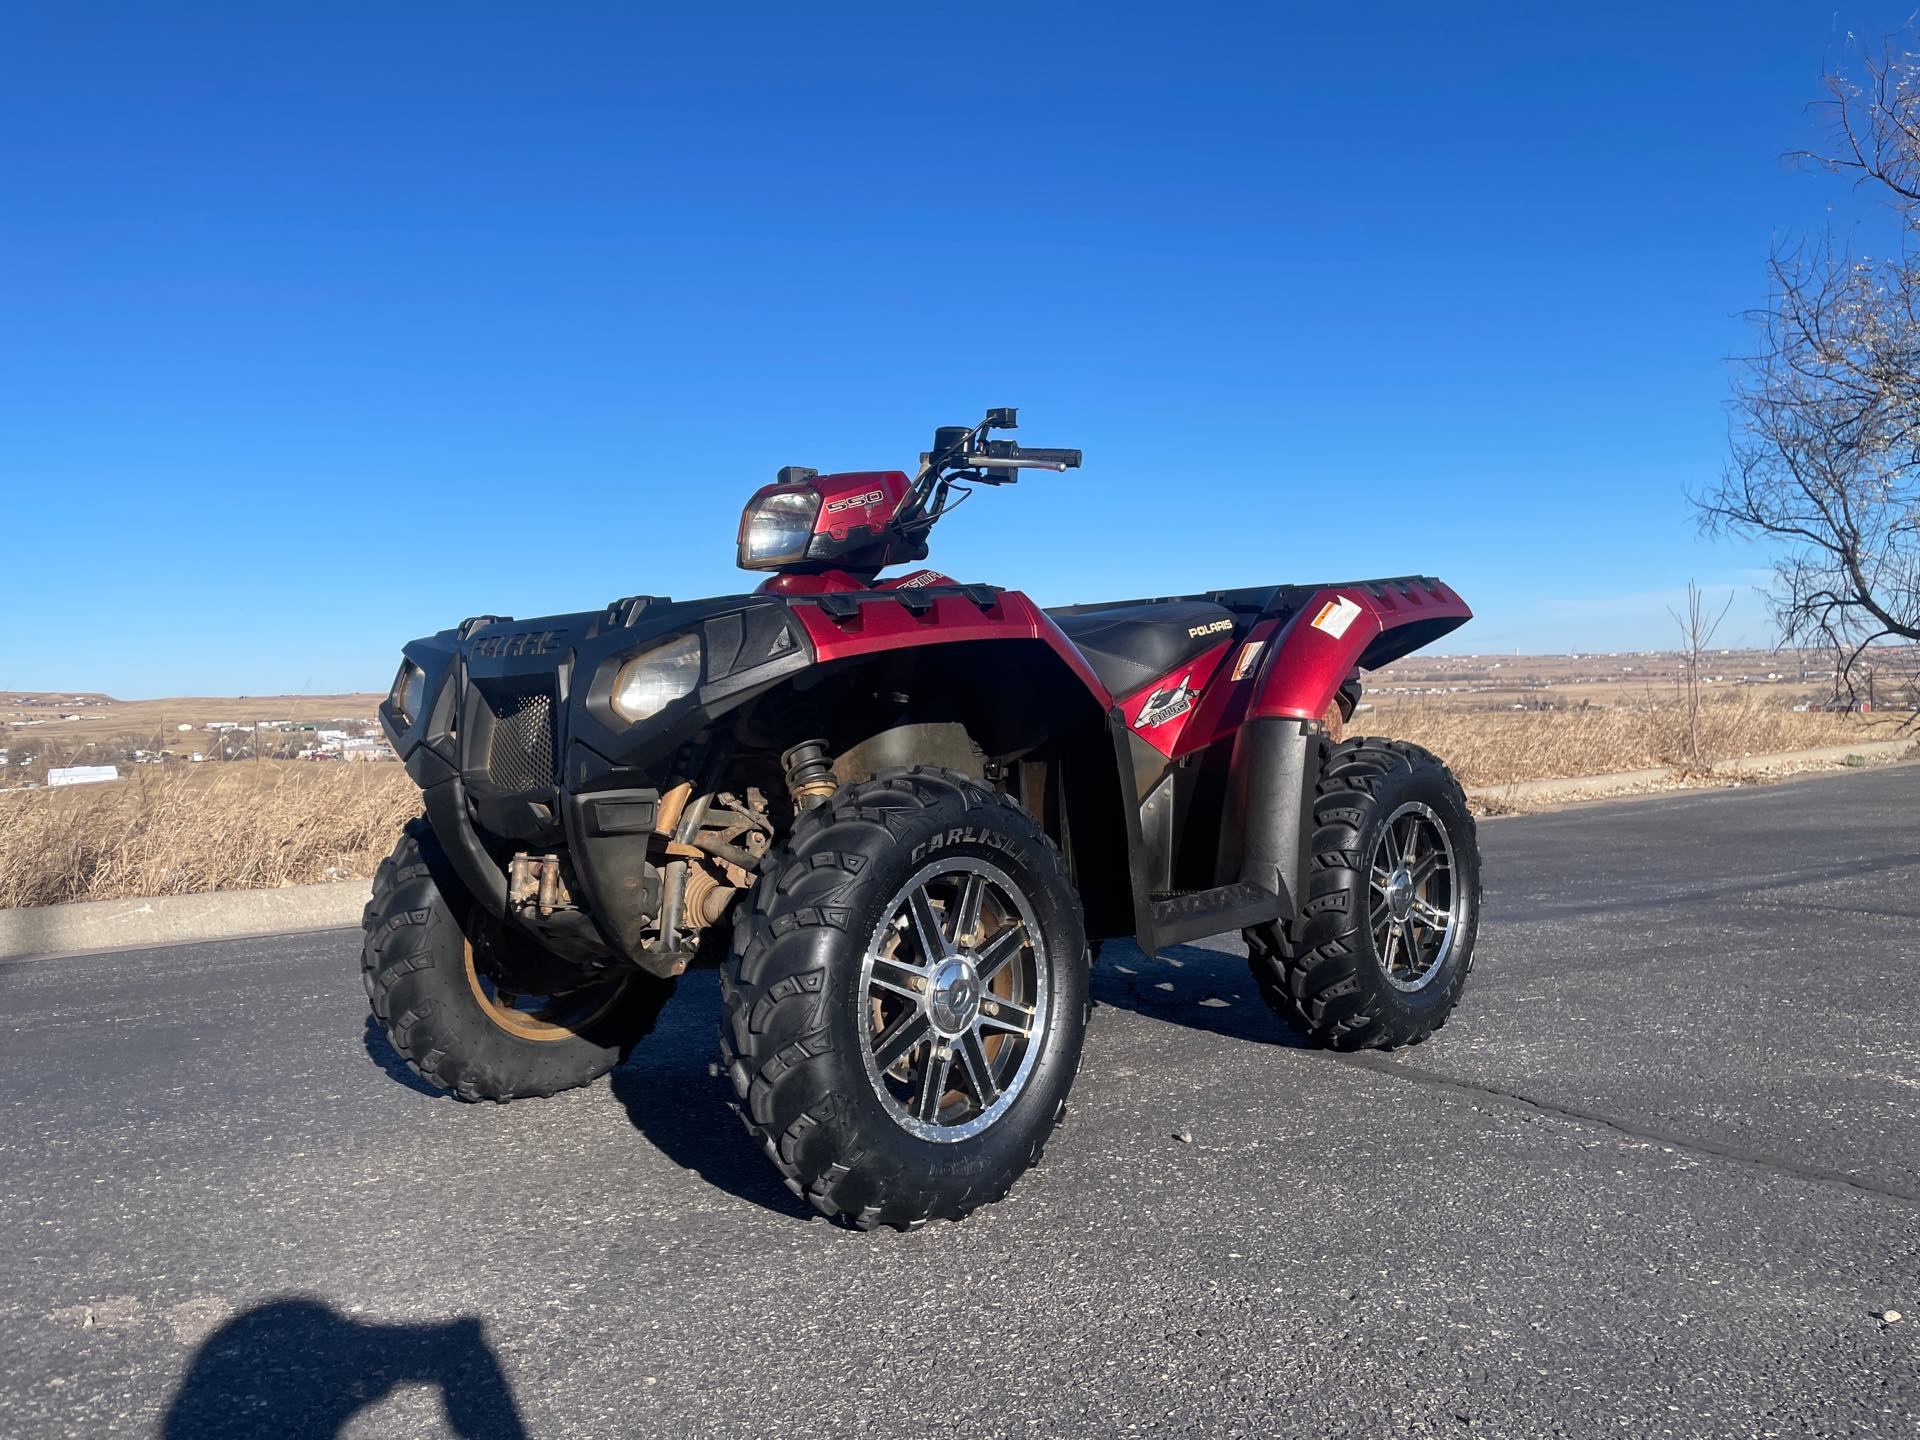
[{"x": 295, "y": 1369}]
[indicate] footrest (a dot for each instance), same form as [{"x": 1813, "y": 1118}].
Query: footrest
[{"x": 1200, "y": 913}]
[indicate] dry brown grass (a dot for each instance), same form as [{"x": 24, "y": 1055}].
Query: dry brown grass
[
  {"x": 1500, "y": 747},
  {"x": 224, "y": 827},
  {"x": 214, "y": 827}
]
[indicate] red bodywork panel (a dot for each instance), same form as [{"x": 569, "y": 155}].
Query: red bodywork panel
[
  {"x": 810, "y": 582},
  {"x": 865, "y": 497},
  {"x": 1289, "y": 666},
  {"x": 1293, "y": 667},
  {"x": 838, "y": 582},
  {"x": 1223, "y": 705},
  {"x": 1341, "y": 628},
  {"x": 1192, "y": 683},
  {"x": 948, "y": 619}
]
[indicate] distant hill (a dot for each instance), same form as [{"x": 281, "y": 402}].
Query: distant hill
[{"x": 48, "y": 699}]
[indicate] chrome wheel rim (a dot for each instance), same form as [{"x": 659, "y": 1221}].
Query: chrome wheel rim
[
  {"x": 952, "y": 1001},
  {"x": 1413, "y": 897}
]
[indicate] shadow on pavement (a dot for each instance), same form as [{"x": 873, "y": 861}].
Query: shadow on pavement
[
  {"x": 297, "y": 1369},
  {"x": 380, "y": 1048},
  {"x": 1187, "y": 985},
  {"x": 671, "y": 1094},
  {"x": 674, "y": 1097}
]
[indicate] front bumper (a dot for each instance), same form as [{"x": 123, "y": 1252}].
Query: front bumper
[{"x": 517, "y": 747}]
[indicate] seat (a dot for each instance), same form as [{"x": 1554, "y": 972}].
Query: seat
[{"x": 1130, "y": 646}]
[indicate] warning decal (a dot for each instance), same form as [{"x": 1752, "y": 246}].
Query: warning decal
[{"x": 1336, "y": 615}]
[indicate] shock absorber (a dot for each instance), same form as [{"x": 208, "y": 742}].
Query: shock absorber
[{"x": 809, "y": 775}]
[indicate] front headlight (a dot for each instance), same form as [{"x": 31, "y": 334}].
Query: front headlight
[
  {"x": 775, "y": 529},
  {"x": 647, "y": 683},
  {"x": 409, "y": 691}
]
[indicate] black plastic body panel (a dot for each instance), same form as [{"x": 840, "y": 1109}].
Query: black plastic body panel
[
  {"x": 1269, "y": 811},
  {"x": 609, "y": 851},
  {"x": 593, "y": 789},
  {"x": 1255, "y": 801}
]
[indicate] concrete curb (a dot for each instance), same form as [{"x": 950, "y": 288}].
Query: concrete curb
[
  {"x": 170, "y": 919},
  {"x": 1588, "y": 785}
]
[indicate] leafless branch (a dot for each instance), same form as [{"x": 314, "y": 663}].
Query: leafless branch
[{"x": 1824, "y": 455}]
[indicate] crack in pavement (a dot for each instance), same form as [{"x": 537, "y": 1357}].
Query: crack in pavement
[
  {"x": 1624, "y": 904},
  {"x": 1177, "y": 1011},
  {"x": 1815, "y": 905},
  {"x": 1514, "y": 1099}
]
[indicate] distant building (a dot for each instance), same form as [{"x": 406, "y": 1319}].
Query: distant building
[{"x": 82, "y": 774}]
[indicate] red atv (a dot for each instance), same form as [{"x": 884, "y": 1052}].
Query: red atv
[{"x": 895, "y": 813}]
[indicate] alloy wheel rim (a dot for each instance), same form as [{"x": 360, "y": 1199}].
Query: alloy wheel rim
[
  {"x": 952, "y": 1001},
  {"x": 1413, "y": 897}
]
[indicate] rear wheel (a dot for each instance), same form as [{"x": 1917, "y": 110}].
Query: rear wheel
[
  {"x": 466, "y": 1005},
  {"x": 906, "y": 999},
  {"x": 1381, "y": 948}
]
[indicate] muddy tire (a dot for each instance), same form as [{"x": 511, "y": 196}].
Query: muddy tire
[
  {"x": 434, "y": 975},
  {"x": 906, "y": 998},
  {"x": 1384, "y": 941}
]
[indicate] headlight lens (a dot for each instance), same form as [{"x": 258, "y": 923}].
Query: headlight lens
[
  {"x": 647, "y": 683},
  {"x": 775, "y": 530},
  {"x": 409, "y": 691}
]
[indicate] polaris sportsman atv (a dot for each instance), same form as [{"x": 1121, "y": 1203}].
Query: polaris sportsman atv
[{"x": 897, "y": 814}]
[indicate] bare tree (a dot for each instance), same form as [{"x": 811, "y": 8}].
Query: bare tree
[
  {"x": 1825, "y": 453},
  {"x": 1698, "y": 626}
]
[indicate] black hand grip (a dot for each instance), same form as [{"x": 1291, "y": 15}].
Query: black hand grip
[{"x": 1068, "y": 458}]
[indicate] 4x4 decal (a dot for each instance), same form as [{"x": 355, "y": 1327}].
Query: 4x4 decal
[{"x": 1167, "y": 704}]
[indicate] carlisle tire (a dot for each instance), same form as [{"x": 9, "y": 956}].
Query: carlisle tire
[
  {"x": 906, "y": 999},
  {"x": 442, "y": 984},
  {"x": 1382, "y": 946}
]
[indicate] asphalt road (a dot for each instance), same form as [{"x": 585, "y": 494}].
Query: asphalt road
[{"x": 1660, "y": 1176}]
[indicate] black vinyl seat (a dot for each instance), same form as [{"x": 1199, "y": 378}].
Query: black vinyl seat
[{"x": 1129, "y": 646}]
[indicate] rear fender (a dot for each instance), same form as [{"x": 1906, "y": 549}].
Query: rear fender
[
  {"x": 1275, "y": 771},
  {"x": 1343, "y": 628}
]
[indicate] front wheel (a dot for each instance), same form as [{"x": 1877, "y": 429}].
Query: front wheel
[
  {"x": 1383, "y": 942},
  {"x": 465, "y": 1004},
  {"x": 906, "y": 999}
]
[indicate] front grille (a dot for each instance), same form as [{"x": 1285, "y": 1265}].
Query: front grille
[{"x": 520, "y": 748}]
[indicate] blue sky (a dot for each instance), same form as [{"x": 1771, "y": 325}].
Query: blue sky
[{"x": 323, "y": 328}]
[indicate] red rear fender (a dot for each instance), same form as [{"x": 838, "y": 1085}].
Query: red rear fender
[{"x": 1342, "y": 628}]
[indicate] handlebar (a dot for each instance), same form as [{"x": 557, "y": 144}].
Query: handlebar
[
  {"x": 962, "y": 453},
  {"x": 1006, "y": 455},
  {"x": 1058, "y": 459}
]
